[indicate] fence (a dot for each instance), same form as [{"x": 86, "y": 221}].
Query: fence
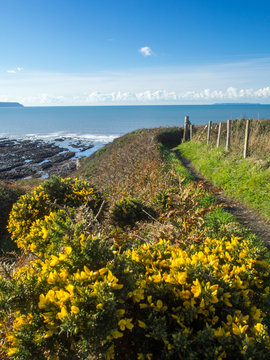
[{"x": 248, "y": 137}]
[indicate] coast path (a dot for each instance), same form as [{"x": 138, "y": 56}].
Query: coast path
[{"x": 246, "y": 216}]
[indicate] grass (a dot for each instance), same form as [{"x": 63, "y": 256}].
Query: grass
[
  {"x": 141, "y": 164},
  {"x": 131, "y": 165},
  {"x": 259, "y": 144},
  {"x": 246, "y": 180},
  {"x": 173, "y": 164},
  {"x": 218, "y": 222}
]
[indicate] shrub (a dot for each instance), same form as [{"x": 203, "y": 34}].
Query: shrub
[
  {"x": 26, "y": 220},
  {"x": 170, "y": 137},
  {"x": 127, "y": 211},
  {"x": 8, "y": 196},
  {"x": 152, "y": 302}
]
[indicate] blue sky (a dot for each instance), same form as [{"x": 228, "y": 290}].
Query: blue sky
[{"x": 91, "y": 52}]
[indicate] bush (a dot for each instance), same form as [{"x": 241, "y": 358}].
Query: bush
[
  {"x": 83, "y": 297},
  {"x": 127, "y": 211},
  {"x": 26, "y": 220},
  {"x": 153, "y": 302},
  {"x": 170, "y": 137},
  {"x": 8, "y": 196}
]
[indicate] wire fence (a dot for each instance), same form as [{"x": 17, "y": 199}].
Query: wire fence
[{"x": 248, "y": 137}]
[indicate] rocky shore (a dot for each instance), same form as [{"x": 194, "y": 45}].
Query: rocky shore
[{"x": 27, "y": 158}]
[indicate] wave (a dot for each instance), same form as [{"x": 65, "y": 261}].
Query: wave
[{"x": 65, "y": 136}]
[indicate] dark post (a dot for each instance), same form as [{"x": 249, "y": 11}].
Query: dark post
[
  {"x": 209, "y": 131},
  {"x": 228, "y": 140},
  {"x": 219, "y": 134},
  {"x": 186, "y": 128},
  {"x": 190, "y": 131}
]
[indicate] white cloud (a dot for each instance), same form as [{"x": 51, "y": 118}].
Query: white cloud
[
  {"x": 231, "y": 93},
  {"x": 146, "y": 51},
  {"x": 239, "y": 82},
  {"x": 205, "y": 96},
  {"x": 18, "y": 69}
]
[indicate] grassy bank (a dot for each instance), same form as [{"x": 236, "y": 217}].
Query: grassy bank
[{"x": 246, "y": 180}]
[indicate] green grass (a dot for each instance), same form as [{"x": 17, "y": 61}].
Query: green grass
[
  {"x": 176, "y": 166},
  {"x": 219, "y": 223},
  {"x": 246, "y": 180}
]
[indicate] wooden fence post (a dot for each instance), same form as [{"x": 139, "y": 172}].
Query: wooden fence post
[
  {"x": 190, "y": 131},
  {"x": 78, "y": 163},
  {"x": 209, "y": 131},
  {"x": 245, "y": 154},
  {"x": 228, "y": 139},
  {"x": 186, "y": 128},
  {"x": 219, "y": 134}
]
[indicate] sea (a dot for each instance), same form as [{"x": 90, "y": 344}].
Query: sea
[{"x": 102, "y": 124}]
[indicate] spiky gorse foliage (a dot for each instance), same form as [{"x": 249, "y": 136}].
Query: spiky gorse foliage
[
  {"x": 127, "y": 211},
  {"x": 151, "y": 301},
  {"x": 30, "y": 218},
  {"x": 9, "y": 194}
]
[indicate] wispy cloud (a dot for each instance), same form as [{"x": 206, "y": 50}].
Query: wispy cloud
[
  {"x": 146, "y": 51},
  {"x": 13, "y": 71}
]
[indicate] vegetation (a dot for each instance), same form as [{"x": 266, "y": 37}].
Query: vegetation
[
  {"x": 8, "y": 196},
  {"x": 127, "y": 211},
  {"x": 99, "y": 280},
  {"x": 247, "y": 180},
  {"x": 259, "y": 144},
  {"x": 31, "y": 217}
]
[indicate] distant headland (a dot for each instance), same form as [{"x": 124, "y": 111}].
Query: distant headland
[
  {"x": 10, "y": 104},
  {"x": 237, "y": 103}
]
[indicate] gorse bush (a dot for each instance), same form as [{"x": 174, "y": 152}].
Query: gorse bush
[
  {"x": 8, "y": 196},
  {"x": 127, "y": 211},
  {"x": 30, "y": 217},
  {"x": 155, "y": 301}
]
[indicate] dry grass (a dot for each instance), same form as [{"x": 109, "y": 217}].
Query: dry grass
[
  {"x": 259, "y": 138},
  {"x": 132, "y": 165}
]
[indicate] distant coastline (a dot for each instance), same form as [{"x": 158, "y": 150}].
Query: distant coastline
[
  {"x": 10, "y": 104},
  {"x": 228, "y": 104}
]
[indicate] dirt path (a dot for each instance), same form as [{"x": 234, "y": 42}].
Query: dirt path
[{"x": 249, "y": 218}]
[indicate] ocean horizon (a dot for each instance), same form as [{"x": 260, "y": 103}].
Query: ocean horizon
[{"x": 102, "y": 124}]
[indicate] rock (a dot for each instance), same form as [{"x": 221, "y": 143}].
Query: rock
[{"x": 25, "y": 158}]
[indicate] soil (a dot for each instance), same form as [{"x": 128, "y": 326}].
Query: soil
[{"x": 246, "y": 216}]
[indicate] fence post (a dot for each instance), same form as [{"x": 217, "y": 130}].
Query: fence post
[
  {"x": 186, "y": 126},
  {"x": 228, "y": 139},
  {"x": 78, "y": 163},
  {"x": 219, "y": 134},
  {"x": 245, "y": 154},
  {"x": 209, "y": 131},
  {"x": 190, "y": 131}
]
